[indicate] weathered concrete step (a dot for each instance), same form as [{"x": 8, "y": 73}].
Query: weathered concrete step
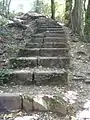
[
  {"x": 23, "y": 62},
  {"x": 39, "y": 40},
  {"x": 33, "y": 45},
  {"x": 10, "y": 102},
  {"x": 36, "y": 76},
  {"x": 54, "y": 45},
  {"x": 49, "y": 26},
  {"x": 46, "y": 22},
  {"x": 55, "y": 34},
  {"x": 43, "y": 52},
  {"x": 46, "y": 62},
  {"x": 38, "y": 35},
  {"x": 17, "y": 102},
  {"x": 47, "y": 45},
  {"x": 50, "y": 76},
  {"x": 54, "y": 62},
  {"x": 47, "y": 39},
  {"x": 49, "y": 33},
  {"x": 55, "y": 39},
  {"x": 49, "y": 29},
  {"x": 19, "y": 77}
]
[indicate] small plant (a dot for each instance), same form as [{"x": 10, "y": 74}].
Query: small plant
[{"x": 4, "y": 76}]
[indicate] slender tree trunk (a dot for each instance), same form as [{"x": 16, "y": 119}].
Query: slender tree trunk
[
  {"x": 77, "y": 17},
  {"x": 87, "y": 23},
  {"x": 52, "y": 9},
  {"x": 37, "y": 7},
  {"x": 68, "y": 10}
]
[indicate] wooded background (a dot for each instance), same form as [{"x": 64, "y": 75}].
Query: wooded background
[{"x": 76, "y": 14}]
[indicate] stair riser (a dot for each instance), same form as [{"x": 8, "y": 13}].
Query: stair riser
[
  {"x": 36, "y": 40},
  {"x": 28, "y": 53},
  {"x": 43, "y": 53},
  {"x": 50, "y": 29},
  {"x": 54, "y": 63},
  {"x": 53, "y": 53},
  {"x": 46, "y": 45},
  {"x": 54, "y": 45},
  {"x": 49, "y": 26},
  {"x": 47, "y": 39},
  {"x": 10, "y": 103},
  {"x": 38, "y": 78},
  {"x": 50, "y": 78},
  {"x": 21, "y": 78},
  {"x": 22, "y": 63},
  {"x": 55, "y": 34},
  {"x": 53, "y": 39},
  {"x": 33, "y": 45},
  {"x": 46, "y": 63}
]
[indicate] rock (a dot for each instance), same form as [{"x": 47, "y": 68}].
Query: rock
[
  {"x": 27, "y": 103},
  {"x": 50, "y": 103}
]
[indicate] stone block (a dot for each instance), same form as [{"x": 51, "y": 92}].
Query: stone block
[
  {"x": 27, "y": 103},
  {"x": 10, "y": 102},
  {"x": 50, "y": 76},
  {"x": 54, "y": 52},
  {"x": 28, "y": 52},
  {"x": 54, "y": 62},
  {"x": 21, "y": 77},
  {"x": 23, "y": 62}
]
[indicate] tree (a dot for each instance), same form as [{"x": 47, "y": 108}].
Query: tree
[
  {"x": 68, "y": 10},
  {"x": 4, "y": 6},
  {"x": 87, "y": 23},
  {"x": 52, "y": 9},
  {"x": 37, "y": 6},
  {"x": 77, "y": 17}
]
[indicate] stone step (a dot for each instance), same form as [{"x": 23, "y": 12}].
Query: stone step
[
  {"x": 36, "y": 76},
  {"x": 46, "y": 62},
  {"x": 40, "y": 35},
  {"x": 19, "y": 77},
  {"x": 47, "y": 39},
  {"x": 48, "y": 26},
  {"x": 46, "y": 45},
  {"x": 55, "y": 39},
  {"x": 46, "y": 22},
  {"x": 55, "y": 34},
  {"x": 36, "y": 40},
  {"x": 54, "y": 62},
  {"x": 43, "y": 52},
  {"x": 10, "y": 102},
  {"x": 23, "y": 62},
  {"x": 49, "y": 29},
  {"x": 33, "y": 45},
  {"x": 54, "y": 45},
  {"x": 16, "y": 102},
  {"x": 50, "y": 76}
]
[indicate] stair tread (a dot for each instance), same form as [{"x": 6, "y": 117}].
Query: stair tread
[
  {"x": 31, "y": 58},
  {"x": 38, "y": 70}
]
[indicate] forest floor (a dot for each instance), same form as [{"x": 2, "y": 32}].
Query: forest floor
[{"x": 76, "y": 92}]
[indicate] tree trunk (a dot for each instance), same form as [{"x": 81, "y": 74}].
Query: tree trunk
[
  {"x": 37, "y": 7},
  {"x": 77, "y": 17},
  {"x": 68, "y": 10},
  {"x": 52, "y": 9},
  {"x": 87, "y": 23}
]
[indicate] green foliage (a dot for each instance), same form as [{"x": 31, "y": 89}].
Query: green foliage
[{"x": 4, "y": 76}]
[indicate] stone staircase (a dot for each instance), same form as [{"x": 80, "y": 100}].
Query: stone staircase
[
  {"x": 44, "y": 60},
  {"x": 45, "y": 57}
]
